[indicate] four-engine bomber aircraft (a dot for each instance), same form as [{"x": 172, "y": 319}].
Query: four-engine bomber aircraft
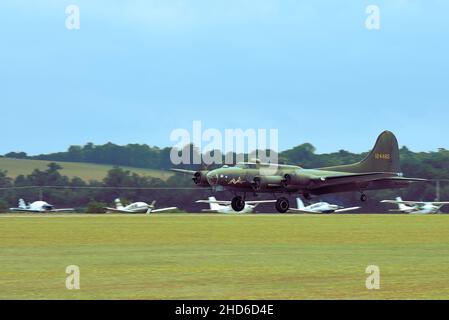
[
  {"x": 416, "y": 207},
  {"x": 320, "y": 207},
  {"x": 138, "y": 207},
  {"x": 379, "y": 170},
  {"x": 38, "y": 207},
  {"x": 217, "y": 206}
]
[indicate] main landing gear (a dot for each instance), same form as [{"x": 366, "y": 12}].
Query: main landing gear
[
  {"x": 363, "y": 197},
  {"x": 282, "y": 205},
  {"x": 238, "y": 204}
]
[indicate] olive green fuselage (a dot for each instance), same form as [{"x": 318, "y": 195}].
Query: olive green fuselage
[{"x": 265, "y": 179}]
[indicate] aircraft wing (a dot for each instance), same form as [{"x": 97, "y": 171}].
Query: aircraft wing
[
  {"x": 23, "y": 210},
  {"x": 406, "y": 179},
  {"x": 346, "y": 209},
  {"x": 352, "y": 177},
  {"x": 117, "y": 210},
  {"x": 413, "y": 203},
  {"x": 295, "y": 210},
  {"x": 403, "y": 202},
  {"x": 356, "y": 182},
  {"x": 163, "y": 210},
  {"x": 334, "y": 180},
  {"x": 260, "y": 202},
  {"x": 63, "y": 210},
  {"x": 226, "y": 203},
  {"x": 184, "y": 171}
]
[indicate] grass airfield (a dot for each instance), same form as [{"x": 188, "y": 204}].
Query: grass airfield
[{"x": 224, "y": 256}]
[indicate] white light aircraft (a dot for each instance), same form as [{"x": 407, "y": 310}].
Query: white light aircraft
[
  {"x": 416, "y": 207},
  {"x": 138, "y": 207},
  {"x": 38, "y": 207},
  {"x": 319, "y": 207},
  {"x": 217, "y": 206}
]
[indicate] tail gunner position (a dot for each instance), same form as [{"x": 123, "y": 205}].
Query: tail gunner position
[{"x": 379, "y": 170}]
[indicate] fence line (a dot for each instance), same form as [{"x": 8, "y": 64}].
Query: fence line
[{"x": 104, "y": 188}]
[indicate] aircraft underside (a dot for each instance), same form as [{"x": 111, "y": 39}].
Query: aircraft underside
[{"x": 282, "y": 204}]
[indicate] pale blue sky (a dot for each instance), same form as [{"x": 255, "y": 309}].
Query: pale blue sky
[{"x": 139, "y": 69}]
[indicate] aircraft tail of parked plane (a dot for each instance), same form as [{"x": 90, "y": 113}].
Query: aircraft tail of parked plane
[
  {"x": 299, "y": 203},
  {"x": 385, "y": 149},
  {"x": 401, "y": 205},
  {"x": 22, "y": 204},
  {"x": 118, "y": 204},
  {"x": 214, "y": 206}
]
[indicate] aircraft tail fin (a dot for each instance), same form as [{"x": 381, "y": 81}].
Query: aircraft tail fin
[
  {"x": 22, "y": 204},
  {"x": 384, "y": 157},
  {"x": 401, "y": 206},
  {"x": 299, "y": 203},
  {"x": 214, "y": 206},
  {"x": 118, "y": 204}
]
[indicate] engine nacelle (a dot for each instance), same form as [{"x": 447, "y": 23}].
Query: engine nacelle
[
  {"x": 200, "y": 178},
  {"x": 296, "y": 180},
  {"x": 266, "y": 182}
]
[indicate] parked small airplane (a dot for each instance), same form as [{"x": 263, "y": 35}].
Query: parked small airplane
[
  {"x": 217, "y": 206},
  {"x": 38, "y": 207},
  {"x": 416, "y": 207},
  {"x": 138, "y": 207},
  {"x": 319, "y": 207}
]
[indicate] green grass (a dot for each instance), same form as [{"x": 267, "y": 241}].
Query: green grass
[
  {"x": 86, "y": 171},
  {"x": 224, "y": 257}
]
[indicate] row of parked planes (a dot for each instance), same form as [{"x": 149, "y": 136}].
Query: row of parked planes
[{"x": 217, "y": 206}]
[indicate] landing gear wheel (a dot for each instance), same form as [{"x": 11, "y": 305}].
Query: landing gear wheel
[
  {"x": 282, "y": 205},
  {"x": 363, "y": 197},
  {"x": 238, "y": 204}
]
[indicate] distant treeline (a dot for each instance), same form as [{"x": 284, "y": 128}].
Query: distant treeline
[
  {"x": 430, "y": 165},
  {"x": 131, "y": 155},
  {"x": 62, "y": 191}
]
